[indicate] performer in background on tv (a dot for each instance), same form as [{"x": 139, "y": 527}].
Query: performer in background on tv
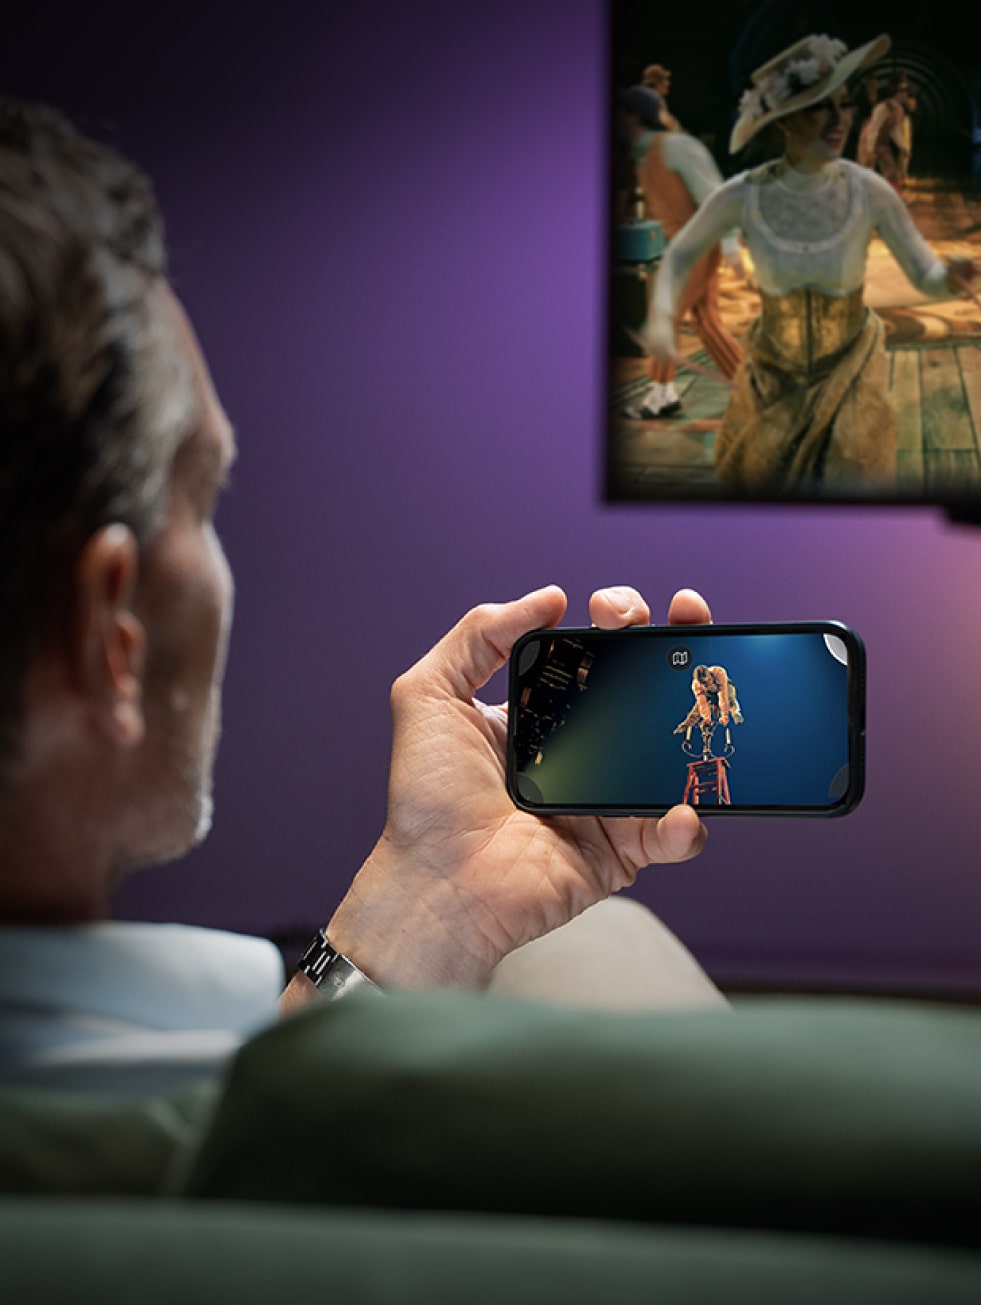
[
  {"x": 810, "y": 412},
  {"x": 677, "y": 173},
  {"x": 658, "y": 79},
  {"x": 891, "y": 133},
  {"x": 865, "y": 147}
]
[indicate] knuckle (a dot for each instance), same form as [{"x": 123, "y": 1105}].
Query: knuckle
[
  {"x": 401, "y": 690},
  {"x": 480, "y": 615}
]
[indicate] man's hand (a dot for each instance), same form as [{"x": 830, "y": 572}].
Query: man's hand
[{"x": 460, "y": 877}]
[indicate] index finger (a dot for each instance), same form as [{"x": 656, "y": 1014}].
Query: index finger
[{"x": 616, "y": 606}]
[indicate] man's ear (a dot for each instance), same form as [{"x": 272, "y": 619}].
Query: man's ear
[{"x": 109, "y": 639}]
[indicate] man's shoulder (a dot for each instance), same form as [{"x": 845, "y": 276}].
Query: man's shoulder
[{"x": 126, "y": 1006}]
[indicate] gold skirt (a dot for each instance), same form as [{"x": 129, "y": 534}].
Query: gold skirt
[{"x": 810, "y": 412}]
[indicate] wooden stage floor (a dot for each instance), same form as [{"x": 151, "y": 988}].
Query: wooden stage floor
[{"x": 935, "y": 370}]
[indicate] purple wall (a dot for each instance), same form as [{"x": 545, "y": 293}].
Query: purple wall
[{"x": 388, "y": 230}]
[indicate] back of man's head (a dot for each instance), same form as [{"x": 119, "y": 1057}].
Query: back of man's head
[{"x": 94, "y": 394}]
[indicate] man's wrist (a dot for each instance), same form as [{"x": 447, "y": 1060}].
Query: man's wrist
[{"x": 403, "y": 936}]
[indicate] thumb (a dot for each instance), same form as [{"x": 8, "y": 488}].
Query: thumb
[{"x": 478, "y": 645}]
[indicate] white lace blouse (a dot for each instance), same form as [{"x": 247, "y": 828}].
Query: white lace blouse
[{"x": 802, "y": 230}]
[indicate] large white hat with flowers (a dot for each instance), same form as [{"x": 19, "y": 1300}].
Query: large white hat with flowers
[{"x": 803, "y": 74}]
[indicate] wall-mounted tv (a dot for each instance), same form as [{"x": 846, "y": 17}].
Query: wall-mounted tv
[{"x": 794, "y": 255}]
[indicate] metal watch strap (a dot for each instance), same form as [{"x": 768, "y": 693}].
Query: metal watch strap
[{"x": 331, "y": 972}]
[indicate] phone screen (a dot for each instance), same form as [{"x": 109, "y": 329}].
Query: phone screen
[{"x": 764, "y": 719}]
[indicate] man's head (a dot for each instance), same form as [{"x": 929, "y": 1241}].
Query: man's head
[{"x": 114, "y": 590}]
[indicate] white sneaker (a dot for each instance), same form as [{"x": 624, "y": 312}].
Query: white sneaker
[{"x": 660, "y": 400}]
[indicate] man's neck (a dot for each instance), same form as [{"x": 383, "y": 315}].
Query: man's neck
[{"x": 54, "y": 858}]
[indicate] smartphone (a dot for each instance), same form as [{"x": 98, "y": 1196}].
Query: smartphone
[{"x": 732, "y": 719}]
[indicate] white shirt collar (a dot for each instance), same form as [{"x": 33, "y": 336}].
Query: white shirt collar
[{"x": 120, "y": 992}]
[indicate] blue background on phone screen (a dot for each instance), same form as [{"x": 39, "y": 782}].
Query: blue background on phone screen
[{"x": 617, "y": 745}]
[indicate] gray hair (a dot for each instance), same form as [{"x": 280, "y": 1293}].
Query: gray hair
[{"x": 95, "y": 395}]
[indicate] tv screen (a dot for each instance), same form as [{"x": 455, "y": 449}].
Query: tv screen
[{"x": 794, "y": 265}]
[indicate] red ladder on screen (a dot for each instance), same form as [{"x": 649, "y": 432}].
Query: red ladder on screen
[{"x": 708, "y": 782}]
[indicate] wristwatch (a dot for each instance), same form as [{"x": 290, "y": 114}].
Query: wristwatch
[{"x": 331, "y": 972}]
